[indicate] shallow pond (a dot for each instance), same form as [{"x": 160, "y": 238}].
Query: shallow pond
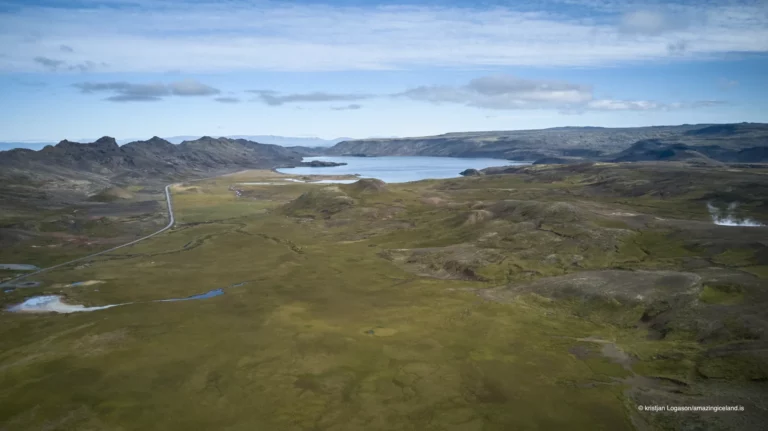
[
  {"x": 54, "y": 303},
  {"x": 18, "y": 267}
]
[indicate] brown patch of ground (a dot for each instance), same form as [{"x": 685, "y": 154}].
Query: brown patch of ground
[
  {"x": 631, "y": 287},
  {"x": 460, "y": 262}
]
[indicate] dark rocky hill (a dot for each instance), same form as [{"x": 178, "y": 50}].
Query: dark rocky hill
[
  {"x": 656, "y": 150},
  {"x": 153, "y": 158},
  {"x": 743, "y": 142},
  {"x": 71, "y": 171}
]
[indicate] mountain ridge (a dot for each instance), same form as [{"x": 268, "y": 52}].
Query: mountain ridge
[
  {"x": 590, "y": 143},
  {"x": 104, "y": 161},
  {"x": 283, "y": 141}
]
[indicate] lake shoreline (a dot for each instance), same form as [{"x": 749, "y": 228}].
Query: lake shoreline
[{"x": 396, "y": 169}]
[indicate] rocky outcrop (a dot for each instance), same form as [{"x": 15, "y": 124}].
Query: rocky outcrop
[
  {"x": 324, "y": 202},
  {"x": 368, "y": 185},
  {"x": 558, "y": 160},
  {"x": 320, "y": 164},
  {"x": 470, "y": 173}
]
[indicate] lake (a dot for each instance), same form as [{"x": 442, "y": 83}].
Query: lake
[{"x": 399, "y": 169}]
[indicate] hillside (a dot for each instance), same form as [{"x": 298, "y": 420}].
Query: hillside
[
  {"x": 70, "y": 171},
  {"x": 153, "y": 158},
  {"x": 728, "y": 142},
  {"x": 283, "y": 141},
  {"x": 583, "y": 289}
]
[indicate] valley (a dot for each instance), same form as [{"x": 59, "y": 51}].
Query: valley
[
  {"x": 476, "y": 303},
  {"x": 383, "y": 215}
]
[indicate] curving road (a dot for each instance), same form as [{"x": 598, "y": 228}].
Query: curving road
[{"x": 171, "y": 222}]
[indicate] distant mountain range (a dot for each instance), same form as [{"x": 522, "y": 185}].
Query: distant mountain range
[
  {"x": 739, "y": 143},
  {"x": 105, "y": 162},
  {"x": 90, "y": 166},
  {"x": 283, "y": 141},
  {"x": 742, "y": 142}
]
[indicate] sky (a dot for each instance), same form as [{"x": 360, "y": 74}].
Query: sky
[{"x": 82, "y": 69}]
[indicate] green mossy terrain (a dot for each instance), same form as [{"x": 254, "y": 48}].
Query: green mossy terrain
[{"x": 550, "y": 298}]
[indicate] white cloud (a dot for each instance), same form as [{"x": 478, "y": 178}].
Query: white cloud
[
  {"x": 622, "y": 105},
  {"x": 646, "y": 22},
  {"x": 350, "y": 107},
  {"x": 496, "y": 92},
  {"x": 536, "y": 91},
  {"x": 507, "y": 92},
  {"x": 238, "y": 35},
  {"x": 273, "y": 98},
  {"x": 504, "y": 92}
]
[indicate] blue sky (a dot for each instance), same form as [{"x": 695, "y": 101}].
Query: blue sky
[{"x": 134, "y": 69}]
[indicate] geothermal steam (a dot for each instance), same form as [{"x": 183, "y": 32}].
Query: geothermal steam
[{"x": 727, "y": 216}]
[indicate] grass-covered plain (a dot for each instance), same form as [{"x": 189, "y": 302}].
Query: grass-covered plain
[{"x": 437, "y": 305}]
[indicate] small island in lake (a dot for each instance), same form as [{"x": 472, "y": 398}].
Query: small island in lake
[{"x": 320, "y": 164}]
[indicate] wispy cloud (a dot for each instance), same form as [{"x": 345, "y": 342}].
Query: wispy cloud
[
  {"x": 85, "y": 66},
  {"x": 506, "y": 92},
  {"x": 66, "y": 48},
  {"x": 48, "y": 63},
  {"x": 128, "y": 92},
  {"x": 350, "y": 107},
  {"x": 677, "y": 48},
  {"x": 274, "y": 98},
  {"x": 651, "y": 23},
  {"x": 133, "y": 98},
  {"x": 57, "y": 65},
  {"x": 191, "y": 87},
  {"x": 240, "y": 35},
  {"x": 705, "y": 103},
  {"x": 227, "y": 100}
]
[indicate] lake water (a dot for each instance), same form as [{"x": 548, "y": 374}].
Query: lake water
[{"x": 399, "y": 169}]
